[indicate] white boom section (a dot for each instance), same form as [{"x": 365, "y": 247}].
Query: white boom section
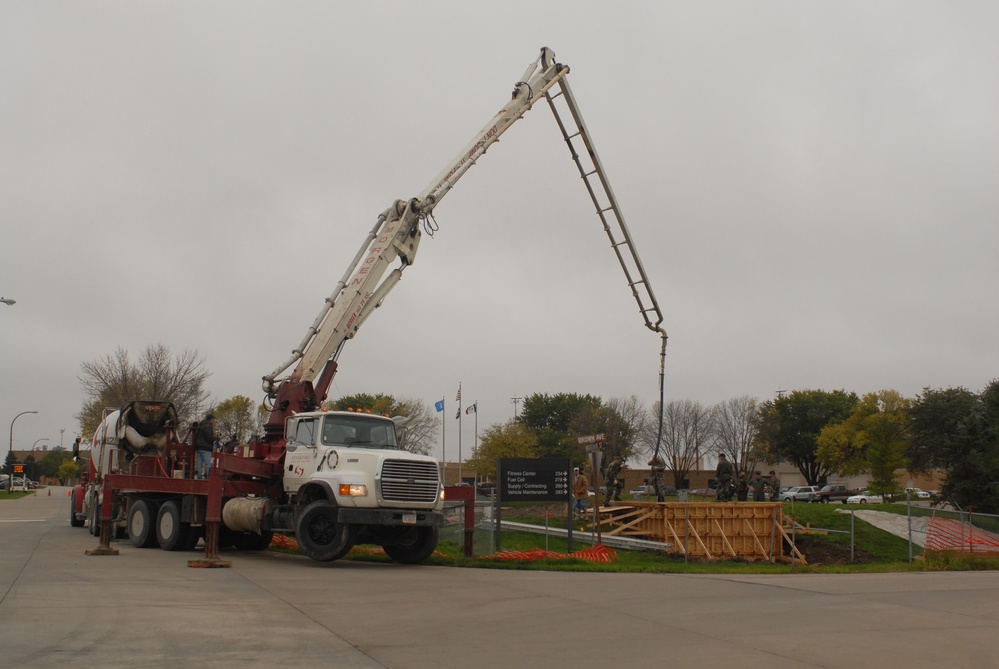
[{"x": 396, "y": 235}]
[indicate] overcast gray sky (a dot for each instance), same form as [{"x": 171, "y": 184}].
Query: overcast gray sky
[{"x": 812, "y": 188}]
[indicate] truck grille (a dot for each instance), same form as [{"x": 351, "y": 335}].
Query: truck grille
[{"x": 409, "y": 481}]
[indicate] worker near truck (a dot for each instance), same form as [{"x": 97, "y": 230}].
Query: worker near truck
[
  {"x": 580, "y": 490},
  {"x": 204, "y": 444}
]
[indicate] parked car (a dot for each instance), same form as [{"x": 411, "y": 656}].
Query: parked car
[
  {"x": 799, "y": 493},
  {"x": 485, "y": 488},
  {"x": 702, "y": 492},
  {"x": 864, "y": 497},
  {"x": 917, "y": 493},
  {"x": 834, "y": 492}
]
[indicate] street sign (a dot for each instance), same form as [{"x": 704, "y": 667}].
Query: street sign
[{"x": 593, "y": 442}]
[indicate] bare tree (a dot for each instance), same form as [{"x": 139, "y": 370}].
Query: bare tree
[
  {"x": 734, "y": 432},
  {"x": 114, "y": 380},
  {"x": 686, "y": 432},
  {"x": 421, "y": 430}
]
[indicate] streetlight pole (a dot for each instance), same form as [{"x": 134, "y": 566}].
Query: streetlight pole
[{"x": 10, "y": 453}]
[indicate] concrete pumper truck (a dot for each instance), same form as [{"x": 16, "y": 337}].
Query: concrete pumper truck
[{"x": 333, "y": 479}]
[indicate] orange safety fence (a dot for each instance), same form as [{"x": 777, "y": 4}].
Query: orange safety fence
[
  {"x": 598, "y": 553},
  {"x": 953, "y": 536}
]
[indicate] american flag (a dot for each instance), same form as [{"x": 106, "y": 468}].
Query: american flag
[{"x": 458, "y": 398}]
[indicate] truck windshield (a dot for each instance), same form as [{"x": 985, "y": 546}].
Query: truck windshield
[{"x": 359, "y": 431}]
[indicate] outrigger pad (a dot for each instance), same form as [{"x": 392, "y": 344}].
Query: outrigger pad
[{"x": 205, "y": 563}]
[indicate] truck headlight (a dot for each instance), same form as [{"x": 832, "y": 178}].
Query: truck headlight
[{"x": 353, "y": 490}]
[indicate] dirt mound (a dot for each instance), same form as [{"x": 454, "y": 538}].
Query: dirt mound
[{"x": 819, "y": 551}]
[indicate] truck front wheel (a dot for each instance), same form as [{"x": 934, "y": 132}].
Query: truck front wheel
[
  {"x": 319, "y": 533},
  {"x": 415, "y": 545}
]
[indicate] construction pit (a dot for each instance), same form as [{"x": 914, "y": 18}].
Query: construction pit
[{"x": 751, "y": 531}]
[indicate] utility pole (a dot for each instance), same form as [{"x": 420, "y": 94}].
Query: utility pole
[{"x": 515, "y": 401}]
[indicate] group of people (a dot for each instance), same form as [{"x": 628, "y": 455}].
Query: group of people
[
  {"x": 729, "y": 485},
  {"x": 581, "y": 485}
]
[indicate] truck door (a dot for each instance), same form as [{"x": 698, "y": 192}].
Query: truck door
[{"x": 300, "y": 456}]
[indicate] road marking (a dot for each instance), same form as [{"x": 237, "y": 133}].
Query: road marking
[{"x": 23, "y": 520}]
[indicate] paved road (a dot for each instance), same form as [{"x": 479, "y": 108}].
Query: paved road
[{"x": 146, "y": 608}]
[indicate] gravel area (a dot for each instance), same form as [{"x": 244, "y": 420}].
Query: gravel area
[{"x": 895, "y": 523}]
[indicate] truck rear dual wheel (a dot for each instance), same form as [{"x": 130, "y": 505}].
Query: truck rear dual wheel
[
  {"x": 320, "y": 534},
  {"x": 172, "y": 533},
  {"x": 416, "y": 545},
  {"x": 142, "y": 523}
]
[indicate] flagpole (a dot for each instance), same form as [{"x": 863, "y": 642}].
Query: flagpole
[
  {"x": 459, "y": 432},
  {"x": 444, "y": 439},
  {"x": 475, "y": 444}
]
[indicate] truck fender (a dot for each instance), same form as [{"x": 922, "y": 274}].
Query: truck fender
[
  {"x": 78, "y": 493},
  {"x": 313, "y": 491}
]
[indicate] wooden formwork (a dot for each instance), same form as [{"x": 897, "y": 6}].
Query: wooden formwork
[{"x": 706, "y": 530}]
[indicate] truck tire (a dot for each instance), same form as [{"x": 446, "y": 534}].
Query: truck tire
[
  {"x": 95, "y": 527},
  {"x": 417, "y": 544},
  {"x": 319, "y": 533},
  {"x": 142, "y": 523},
  {"x": 171, "y": 531},
  {"x": 73, "y": 520}
]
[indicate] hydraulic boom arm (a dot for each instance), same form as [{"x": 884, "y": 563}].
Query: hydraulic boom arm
[{"x": 396, "y": 237}]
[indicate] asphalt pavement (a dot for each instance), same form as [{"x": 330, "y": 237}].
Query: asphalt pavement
[{"x": 147, "y": 608}]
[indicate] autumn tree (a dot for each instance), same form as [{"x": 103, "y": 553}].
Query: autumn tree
[
  {"x": 788, "y": 427},
  {"x": 512, "y": 439},
  {"x": 419, "y": 433},
  {"x": 873, "y": 439},
  {"x": 114, "y": 380},
  {"x": 235, "y": 418}
]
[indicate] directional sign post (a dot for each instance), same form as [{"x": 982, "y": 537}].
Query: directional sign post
[
  {"x": 534, "y": 480},
  {"x": 594, "y": 444}
]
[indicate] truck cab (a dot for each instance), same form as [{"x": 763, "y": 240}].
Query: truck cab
[{"x": 355, "y": 459}]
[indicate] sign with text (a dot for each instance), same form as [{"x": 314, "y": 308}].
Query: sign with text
[
  {"x": 592, "y": 442},
  {"x": 534, "y": 479}
]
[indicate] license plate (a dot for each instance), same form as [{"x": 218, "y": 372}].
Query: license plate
[{"x": 409, "y": 518}]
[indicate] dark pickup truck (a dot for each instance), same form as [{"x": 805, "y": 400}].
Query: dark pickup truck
[{"x": 834, "y": 493}]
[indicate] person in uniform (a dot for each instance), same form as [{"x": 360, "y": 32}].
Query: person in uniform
[
  {"x": 759, "y": 488},
  {"x": 774, "y": 486},
  {"x": 724, "y": 473},
  {"x": 658, "y": 466},
  {"x": 742, "y": 487}
]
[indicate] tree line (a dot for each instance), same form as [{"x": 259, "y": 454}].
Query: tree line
[{"x": 821, "y": 433}]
